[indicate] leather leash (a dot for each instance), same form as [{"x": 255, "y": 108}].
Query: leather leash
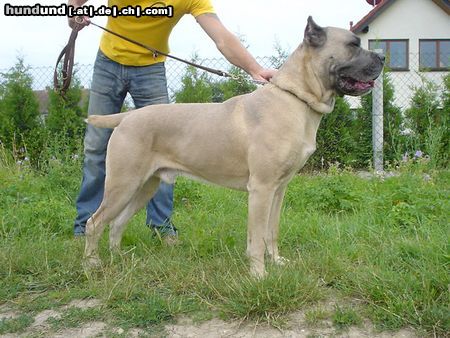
[{"x": 68, "y": 53}]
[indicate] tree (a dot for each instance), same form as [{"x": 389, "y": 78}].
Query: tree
[
  {"x": 424, "y": 110},
  {"x": 281, "y": 55},
  {"x": 19, "y": 108},
  {"x": 335, "y": 142},
  {"x": 65, "y": 114},
  {"x": 392, "y": 125},
  {"x": 196, "y": 86},
  {"x": 428, "y": 119},
  {"x": 232, "y": 87},
  {"x": 200, "y": 87}
]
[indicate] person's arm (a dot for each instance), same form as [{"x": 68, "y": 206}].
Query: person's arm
[
  {"x": 72, "y": 22},
  {"x": 233, "y": 50}
]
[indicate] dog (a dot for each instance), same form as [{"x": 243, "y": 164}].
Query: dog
[{"x": 255, "y": 142}]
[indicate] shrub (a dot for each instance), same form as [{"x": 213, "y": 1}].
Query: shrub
[
  {"x": 428, "y": 122},
  {"x": 19, "y": 108},
  {"x": 392, "y": 125},
  {"x": 196, "y": 86},
  {"x": 65, "y": 114},
  {"x": 335, "y": 142}
]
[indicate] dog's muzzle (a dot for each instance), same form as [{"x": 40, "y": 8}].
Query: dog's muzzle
[{"x": 357, "y": 77}]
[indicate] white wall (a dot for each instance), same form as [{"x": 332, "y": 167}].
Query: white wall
[{"x": 410, "y": 19}]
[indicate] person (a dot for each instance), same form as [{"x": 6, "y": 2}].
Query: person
[{"x": 122, "y": 67}]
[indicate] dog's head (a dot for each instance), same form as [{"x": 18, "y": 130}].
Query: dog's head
[{"x": 339, "y": 60}]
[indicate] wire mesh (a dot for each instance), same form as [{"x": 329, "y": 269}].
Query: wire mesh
[{"x": 404, "y": 82}]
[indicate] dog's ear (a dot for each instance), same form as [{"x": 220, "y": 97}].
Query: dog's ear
[{"x": 315, "y": 36}]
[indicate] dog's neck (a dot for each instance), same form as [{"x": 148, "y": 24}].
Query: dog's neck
[{"x": 304, "y": 83}]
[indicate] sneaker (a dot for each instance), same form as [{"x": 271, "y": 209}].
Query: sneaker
[
  {"x": 171, "y": 240},
  {"x": 167, "y": 233},
  {"x": 79, "y": 230}
]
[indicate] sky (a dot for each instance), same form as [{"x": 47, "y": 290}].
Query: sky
[{"x": 260, "y": 22}]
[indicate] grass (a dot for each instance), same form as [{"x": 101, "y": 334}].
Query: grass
[
  {"x": 72, "y": 317},
  {"x": 15, "y": 325},
  {"x": 345, "y": 317},
  {"x": 382, "y": 242}
]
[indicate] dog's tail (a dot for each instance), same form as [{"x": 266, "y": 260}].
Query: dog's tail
[{"x": 106, "y": 121}]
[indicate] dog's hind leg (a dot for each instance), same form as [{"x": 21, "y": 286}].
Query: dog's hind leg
[
  {"x": 139, "y": 200},
  {"x": 94, "y": 229},
  {"x": 116, "y": 198}
]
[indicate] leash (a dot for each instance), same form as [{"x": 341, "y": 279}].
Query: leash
[
  {"x": 62, "y": 84},
  {"x": 68, "y": 53}
]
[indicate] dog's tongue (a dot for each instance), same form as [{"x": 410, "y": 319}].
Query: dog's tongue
[{"x": 360, "y": 85}]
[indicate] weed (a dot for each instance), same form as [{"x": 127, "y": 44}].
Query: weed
[
  {"x": 15, "y": 325},
  {"x": 316, "y": 316},
  {"x": 143, "y": 313},
  {"x": 345, "y": 317},
  {"x": 75, "y": 317}
]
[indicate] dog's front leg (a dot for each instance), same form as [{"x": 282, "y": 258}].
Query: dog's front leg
[
  {"x": 259, "y": 206},
  {"x": 272, "y": 230}
]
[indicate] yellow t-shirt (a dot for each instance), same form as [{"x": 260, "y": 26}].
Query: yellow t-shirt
[{"x": 153, "y": 31}]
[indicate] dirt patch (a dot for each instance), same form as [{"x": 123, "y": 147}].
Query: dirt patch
[
  {"x": 40, "y": 320},
  {"x": 296, "y": 326},
  {"x": 93, "y": 329},
  {"x": 8, "y": 313},
  {"x": 83, "y": 304},
  {"x": 215, "y": 328}
]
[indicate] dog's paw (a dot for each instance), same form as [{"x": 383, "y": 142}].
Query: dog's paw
[
  {"x": 92, "y": 263},
  {"x": 258, "y": 272},
  {"x": 281, "y": 261}
]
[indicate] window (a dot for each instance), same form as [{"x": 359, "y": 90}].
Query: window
[
  {"x": 396, "y": 52},
  {"x": 434, "y": 54}
]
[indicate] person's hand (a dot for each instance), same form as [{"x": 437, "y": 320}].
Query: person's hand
[
  {"x": 79, "y": 22},
  {"x": 264, "y": 75}
]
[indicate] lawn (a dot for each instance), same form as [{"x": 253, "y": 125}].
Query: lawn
[{"x": 376, "y": 247}]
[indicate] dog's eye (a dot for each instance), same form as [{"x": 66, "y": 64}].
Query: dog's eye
[{"x": 355, "y": 43}]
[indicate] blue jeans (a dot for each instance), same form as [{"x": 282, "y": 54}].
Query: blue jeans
[{"x": 110, "y": 83}]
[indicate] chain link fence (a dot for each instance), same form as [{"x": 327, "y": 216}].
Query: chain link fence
[
  {"x": 43, "y": 76},
  {"x": 404, "y": 83}
]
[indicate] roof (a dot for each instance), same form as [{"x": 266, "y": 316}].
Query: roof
[
  {"x": 43, "y": 99},
  {"x": 364, "y": 23}
]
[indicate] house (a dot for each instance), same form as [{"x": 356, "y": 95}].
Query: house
[
  {"x": 415, "y": 38},
  {"x": 42, "y": 98}
]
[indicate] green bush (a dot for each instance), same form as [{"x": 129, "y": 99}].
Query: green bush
[
  {"x": 335, "y": 140},
  {"x": 392, "y": 125},
  {"x": 65, "y": 115},
  {"x": 199, "y": 87},
  {"x": 26, "y": 135},
  {"x": 19, "y": 108},
  {"x": 344, "y": 137},
  {"x": 428, "y": 122},
  {"x": 196, "y": 86}
]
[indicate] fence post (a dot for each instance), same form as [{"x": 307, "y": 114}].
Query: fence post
[{"x": 377, "y": 122}]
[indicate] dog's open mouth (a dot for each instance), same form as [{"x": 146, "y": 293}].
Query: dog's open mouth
[{"x": 351, "y": 86}]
